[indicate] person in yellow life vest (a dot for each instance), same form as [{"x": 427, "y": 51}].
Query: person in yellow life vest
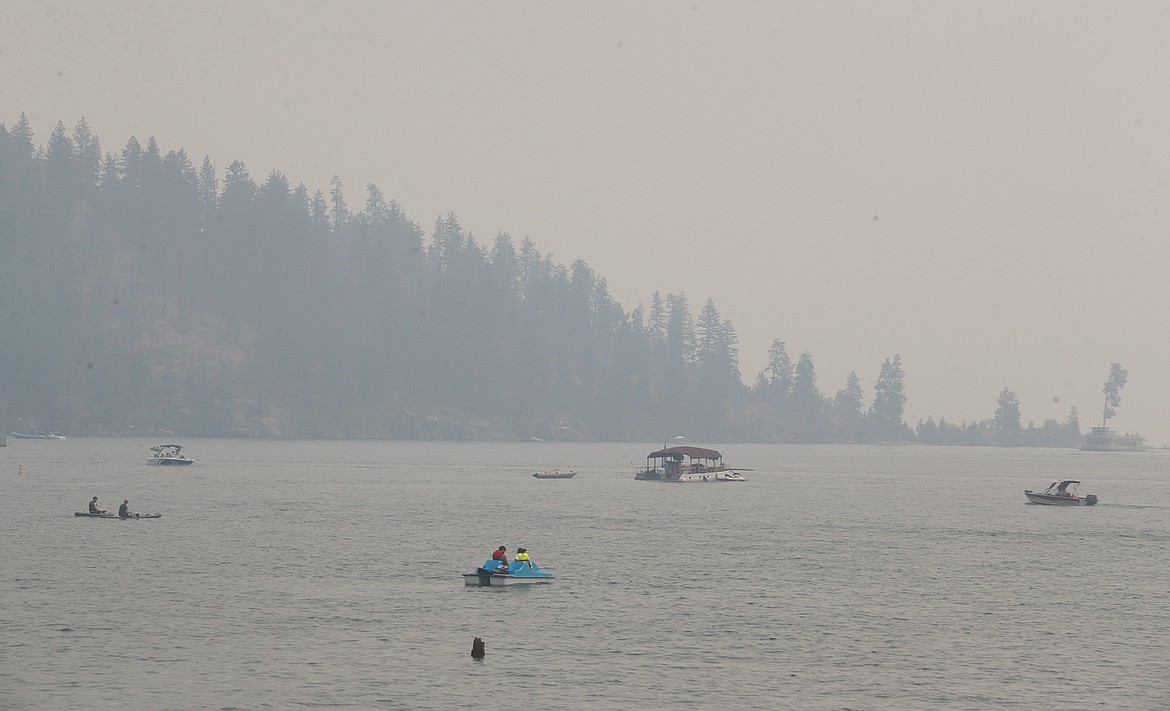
[{"x": 522, "y": 555}]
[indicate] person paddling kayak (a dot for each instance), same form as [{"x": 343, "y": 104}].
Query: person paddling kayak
[
  {"x": 93, "y": 509},
  {"x": 124, "y": 510}
]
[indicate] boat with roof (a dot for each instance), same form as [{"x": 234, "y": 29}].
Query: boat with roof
[
  {"x": 1061, "y": 493},
  {"x": 685, "y": 463},
  {"x": 169, "y": 455},
  {"x": 1103, "y": 439}
]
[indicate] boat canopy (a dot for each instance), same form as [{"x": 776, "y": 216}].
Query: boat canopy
[
  {"x": 677, "y": 453},
  {"x": 161, "y": 447}
]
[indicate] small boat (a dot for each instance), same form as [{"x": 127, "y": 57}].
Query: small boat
[
  {"x": 168, "y": 455},
  {"x": 34, "y": 435},
  {"x": 518, "y": 572},
  {"x": 1058, "y": 493},
  {"x": 81, "y": 514},
  {"x": 713, "y": 476},
  {"x": 684, "y": 463},
  {"x": 555, "y": 474}
]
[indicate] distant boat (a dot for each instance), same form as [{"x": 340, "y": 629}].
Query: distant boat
[
  {"x": 713, "y": 476},
  {"x": 31, "y": 435},
  {"x": 1103, "y": 439},
  {"x": 555, "y": 474},
  {"x": 1058, "y": 493},
  {"x": 687, "y": 464},
  {"x": 168, "y": 455}
]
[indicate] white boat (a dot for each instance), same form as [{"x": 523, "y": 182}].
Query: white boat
[
  {"x": 684, "y": 463},
  {"x": 728, "y": 475},
  {"x": 1103, "y": 439},
  {"x": 1059, "y": 493},
  {"x": 44, "y": 435},
  {"x": 168, "y": 455},
  {"x": 555, "y": 474}
]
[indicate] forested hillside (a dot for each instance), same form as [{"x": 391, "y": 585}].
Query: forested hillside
[{"x": 143, "y": 292}]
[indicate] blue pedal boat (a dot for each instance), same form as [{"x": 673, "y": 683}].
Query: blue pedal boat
[{"x": 518, "y": 572}]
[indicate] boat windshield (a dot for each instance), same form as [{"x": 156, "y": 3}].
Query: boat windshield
[{"x": 1062, "y": 488}]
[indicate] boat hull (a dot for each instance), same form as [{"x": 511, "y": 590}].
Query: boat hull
[
  {"x": 711, "y": 477},
  {"x": 1050, "y": 500},
  {"x": 494, "y": 581},
  {"x": 492, "y": 574},
  {"x": 168, "y": 461},
  {"x": 554, "y": 475},
  {"x": 723, "y": 475},
  {"x": 82, "y": 514}
]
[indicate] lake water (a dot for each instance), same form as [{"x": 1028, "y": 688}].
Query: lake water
[{"x": 327, "y": 574}]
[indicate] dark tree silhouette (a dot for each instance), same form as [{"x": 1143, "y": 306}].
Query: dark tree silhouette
[
  {"x": 143, "y": 292},
  {"x": 1112, "y": 390}
]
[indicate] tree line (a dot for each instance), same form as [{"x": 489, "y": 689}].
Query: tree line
[
  {"x": 146, "y": 292},
  {"x": 1006, "y": 428}
]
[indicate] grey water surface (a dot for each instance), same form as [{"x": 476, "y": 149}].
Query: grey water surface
[{"x": 327, "y": 574}]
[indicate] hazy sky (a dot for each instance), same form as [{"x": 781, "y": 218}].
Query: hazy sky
[{"x": 983, "y": 187}]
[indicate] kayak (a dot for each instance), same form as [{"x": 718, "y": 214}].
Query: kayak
[{"x": 110, "y": 515}]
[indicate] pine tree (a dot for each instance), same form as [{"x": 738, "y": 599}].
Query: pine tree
[
  {"x": 656, "y": 325},
  {"x": 889, "y": 400},
  {"x": 779, "y": 373},
  {"x": 130, "y": 165},
  {"x": 88, "y": 152},
  {"x": 680, "y": 329},
  {"x": 1007, "y": 416},
  {"x": 208, "y": 190},
  {"x": 1112, "y": 390},
  {"x": 339, "y": 211}
]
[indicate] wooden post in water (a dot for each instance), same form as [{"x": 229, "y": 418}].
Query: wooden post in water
[{"x": 477, "y": 648}]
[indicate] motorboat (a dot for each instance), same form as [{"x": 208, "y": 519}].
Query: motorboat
[
  {"x": 35, "y": 435},
  {"x": 1061, "y": 493},
  {"x": 684, "y": 463},
  {"x": 714, "y": 476},
  {"x": 555, "y": 474},
  {"x": 168, "y": 455},
  {"x": 518, "y": 572}
]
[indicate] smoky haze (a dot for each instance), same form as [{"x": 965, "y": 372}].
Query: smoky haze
[{"x": 979, "y": 187}]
